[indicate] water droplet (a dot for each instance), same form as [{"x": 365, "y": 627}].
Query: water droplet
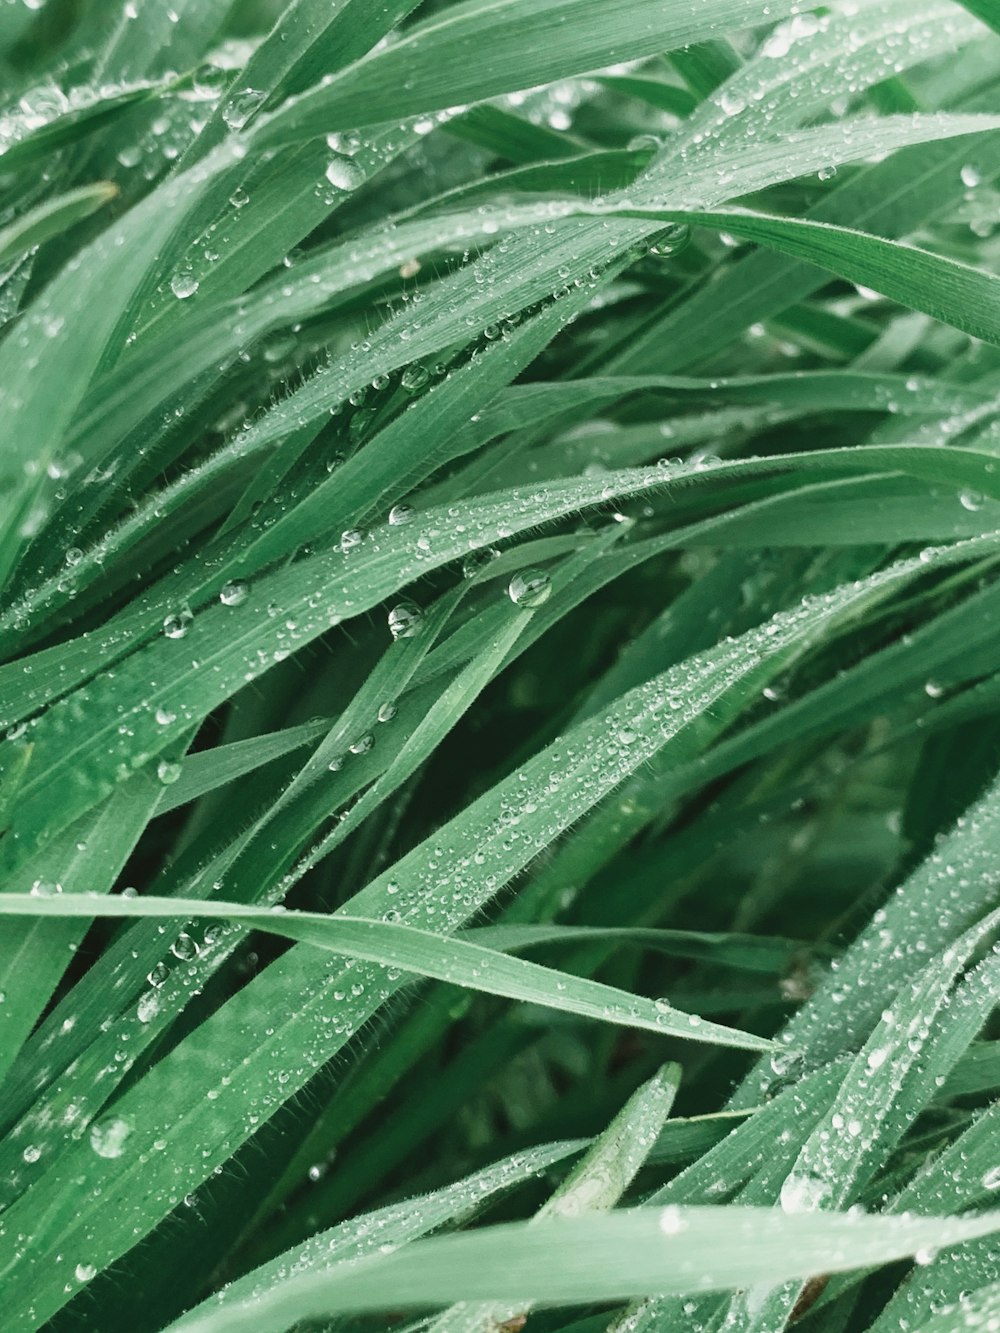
[
  {"x": 183, "y": 284},
  {"x": 991, "y": 1180},
  {"x": 670, "y": 241},
  {"x": 971, "y": 176},
  {"x": 184, "y": 946},
  {"x": 387, "y": 711},
  {"x": 400, "y": 514},
  {"x": 971, "y": 500},
  {"x": 802, "y": 1193},
  {"x": 414, "y": 378},
  {"x": 177, "y": 625},
  {"x": 209, "y": 80},
  {"x": 107, "y": 1136},
  {"x": 343, "y": 173},
  {"x": 164, "y": 717},
  {"x": 474, "y": 564},
  {"x": 167, "y": 771},
  {"x": 32, "y": 1153},
  {"x": 530, "y": 588},
  {"x": 404, "y": 620},
  {"x": 351, "y": 538},
  {"x": 672, "y": 1221},
  {"x": 363, "y": 744},
  {"x": 241, "y": 107},
  {"x": 84, "y": 1272},
  {"x": 234, "y": 593}
]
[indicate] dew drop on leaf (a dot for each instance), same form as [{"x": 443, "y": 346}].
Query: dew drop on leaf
[
  {"x": 107, "y": 1136},
  {"x": 177, "y": 625},
  {"x": 405, "y": 620},
  {"x": 530, "y": 588},
  {"x": 184, "y": 946},
  {"x": 234, "y": 593},
  {"x": 670, "y": 241},
  {"x": 414, "y": 378},
  {"x": 183, "y": 284},
  {"x": 241, "y": 108},
  {"x": 344, "y": 174}
]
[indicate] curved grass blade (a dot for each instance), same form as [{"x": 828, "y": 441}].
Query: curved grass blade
[
  {"x": 397, "y": 946},
  {"x": 594, "y": 1185},
  {"x": 396, "y": 1224},
  {"x": 605, "y": 1258},
  {"x": 49, "y": 219},
  {"x": 481, "y": 48}
]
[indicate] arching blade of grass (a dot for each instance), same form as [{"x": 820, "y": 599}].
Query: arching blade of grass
[
  {"x": 897, "y": 196},
  {"x": 594, "y": 1185},
  {"x": 768, "y": 97},
  {"x": 308, "y": 41},
  {"x": 89, "y": 857},
  {"x": 400, "y": 948},
  {"x": 49, "y": 219},
  {"x": 478, "y": 49},
  {"x": 32, "y": 143},
  {"x": 957, "y": 293},
  {"x": 394, "y": 1225},
  {"x": 600, "y": 1258}
]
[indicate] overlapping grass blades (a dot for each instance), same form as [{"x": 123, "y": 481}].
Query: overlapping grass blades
[{"x": 499, "y": 529}]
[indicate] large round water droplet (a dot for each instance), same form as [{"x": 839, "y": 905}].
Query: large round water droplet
[
  {"x": 530, "y": 588},
  {"x": 183, "y": 284},
  {"x": 234, "y": 593},
  {"x": 177, "y": 625},
  {"x": 405, "y": 620},
  {"x": 241, "y": 107},
  {"x": 344, "y": 174}
]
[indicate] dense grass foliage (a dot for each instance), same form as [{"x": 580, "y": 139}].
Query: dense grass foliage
[{"x": 500, "y": 550}]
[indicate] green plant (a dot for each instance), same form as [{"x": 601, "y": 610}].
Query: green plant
[{"x": 462, "y": 545}]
